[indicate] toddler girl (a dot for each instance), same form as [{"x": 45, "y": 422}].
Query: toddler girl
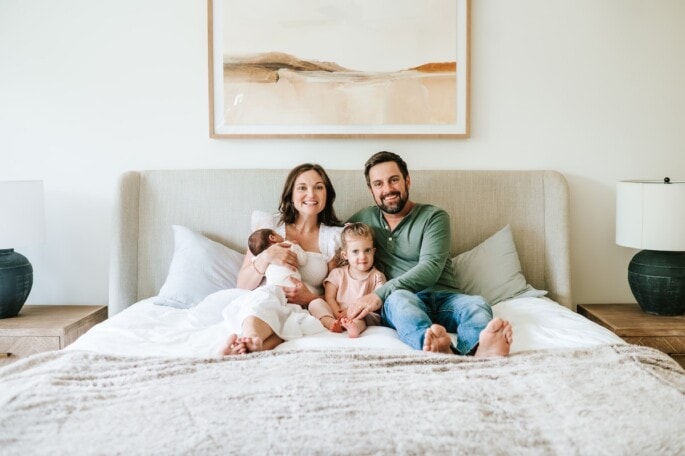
[{"x": 347, "y": 283}]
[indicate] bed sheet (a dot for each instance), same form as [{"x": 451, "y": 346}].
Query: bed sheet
[{"x": 146, "y": 329}]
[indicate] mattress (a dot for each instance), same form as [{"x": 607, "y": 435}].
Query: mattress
[{"x": 146, "y": 329}]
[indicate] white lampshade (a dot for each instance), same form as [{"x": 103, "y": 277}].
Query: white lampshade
[
  {"x": 650, "y": 215},
  {"x": 22, "y": 213}
]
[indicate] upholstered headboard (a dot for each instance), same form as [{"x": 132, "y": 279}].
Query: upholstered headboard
[{"x": 219, "y": 202}]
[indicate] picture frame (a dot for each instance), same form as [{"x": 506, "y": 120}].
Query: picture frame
[{"x": 316, "y": 68}]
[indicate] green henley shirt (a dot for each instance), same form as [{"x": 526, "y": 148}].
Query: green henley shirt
[{"x": 415, "y": 256}]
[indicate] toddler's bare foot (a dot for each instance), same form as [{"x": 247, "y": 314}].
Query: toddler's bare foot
[
  {"x": 234, "y": 346},
  {"x": 437, "y": 340},
  {"x": 252, "y": 344},
  {"x": 495, "y": 339},
  {"x": 336, "y": 326},
  {"x": 330, "y": 323},
  {"x": 351, "y": 327}
]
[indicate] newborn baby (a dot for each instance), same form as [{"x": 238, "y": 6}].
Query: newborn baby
[{"x": 276, "y": 274}]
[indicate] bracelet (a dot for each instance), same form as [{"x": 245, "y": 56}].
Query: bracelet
[{"x": 254, "y": 259}]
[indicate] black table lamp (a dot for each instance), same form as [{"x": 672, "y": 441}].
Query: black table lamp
[
  {"x": 650, "y": 215},
  {"x": 22, "y": 222}
]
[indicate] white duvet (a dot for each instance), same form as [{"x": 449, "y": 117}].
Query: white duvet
[{"x": 145, "y": 329}]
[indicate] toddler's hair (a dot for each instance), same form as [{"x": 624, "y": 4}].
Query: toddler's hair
[
  {"x": 259, "y": 241},
  {"x": 356, "y": 230}
]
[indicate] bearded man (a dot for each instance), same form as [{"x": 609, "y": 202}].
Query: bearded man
[{"x": 421, "y": 300}]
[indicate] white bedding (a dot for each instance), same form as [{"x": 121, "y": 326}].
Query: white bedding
[{"x": 145, "y": 329}]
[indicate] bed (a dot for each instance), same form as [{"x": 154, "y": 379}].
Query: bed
[{"x": 150, "y": 379}]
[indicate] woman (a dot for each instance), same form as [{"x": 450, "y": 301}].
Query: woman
[{"x": 306, "y": 217}]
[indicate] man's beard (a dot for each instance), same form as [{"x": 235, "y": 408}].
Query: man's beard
[{"x": 393, "y": 208}]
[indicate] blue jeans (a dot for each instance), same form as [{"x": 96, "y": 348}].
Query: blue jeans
[{"x": 411, "y": 314}]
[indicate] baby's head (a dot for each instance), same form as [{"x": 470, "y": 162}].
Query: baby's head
[
  {"x": 261, "y": 239},
  {"x": 356, "y": 246}
]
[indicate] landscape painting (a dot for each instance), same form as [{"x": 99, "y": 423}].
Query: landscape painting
[{"x": 345, "y": 69}]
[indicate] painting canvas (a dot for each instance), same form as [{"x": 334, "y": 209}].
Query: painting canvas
[{"x": 347, "y": 69}]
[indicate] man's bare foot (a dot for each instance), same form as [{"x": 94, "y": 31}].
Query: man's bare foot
[
  {"x": 495, "y": 339},
  {"x": 234, "y": 346},
  {"x": 351, "y": 327},
  {"x": 252, "y": 344},
  {"x": 437, "y": 340}
]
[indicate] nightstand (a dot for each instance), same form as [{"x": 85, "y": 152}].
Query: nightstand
[
  {"x": 631, "y": 324},
  {"x": 43, "y": 328}
]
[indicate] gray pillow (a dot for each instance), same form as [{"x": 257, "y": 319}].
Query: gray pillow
[
  {"x": 198, "y": 268},
  {"x": 492, "y": 270}
]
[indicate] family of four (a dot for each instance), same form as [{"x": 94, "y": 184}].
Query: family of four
[{"x": 415, "y": 294}]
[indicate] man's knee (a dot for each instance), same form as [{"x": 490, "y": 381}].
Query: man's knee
[
  {"x": 480, "y": 302},
  {"x": 400, "y": 299},
  {"x": 399, "y": 307},
  {"x": 478, "y": 307}
]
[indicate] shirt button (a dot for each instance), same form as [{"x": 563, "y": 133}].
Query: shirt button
[{"x": 390, "y": 239}]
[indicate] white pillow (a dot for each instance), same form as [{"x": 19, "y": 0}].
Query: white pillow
[
  {"x": 492, "y": 270},
  {"x": 198, "y": 268},
  {"x": 261, "y": 219}
]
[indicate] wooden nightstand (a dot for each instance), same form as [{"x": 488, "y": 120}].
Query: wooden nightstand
[
  {"x": 42, "y": 328},
  {"x": 631, "y": 324}
]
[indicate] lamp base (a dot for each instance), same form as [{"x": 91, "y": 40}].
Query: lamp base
[
  {"x": 657, "y": 280},
  {"x": 16, "y": 280}
]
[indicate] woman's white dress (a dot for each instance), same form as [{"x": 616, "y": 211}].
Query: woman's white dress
[{"x": 268, "y": 302}]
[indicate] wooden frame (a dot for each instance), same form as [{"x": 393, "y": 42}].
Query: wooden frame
[{"x": 314, "y": 68}]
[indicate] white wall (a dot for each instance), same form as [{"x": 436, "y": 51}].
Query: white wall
[{"x": 88, "y": 89}]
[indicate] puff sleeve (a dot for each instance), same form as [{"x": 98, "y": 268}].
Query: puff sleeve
[{"x": 329, "y": 240}]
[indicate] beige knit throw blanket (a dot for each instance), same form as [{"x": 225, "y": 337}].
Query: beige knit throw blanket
[{"x": 614, "y": 400}]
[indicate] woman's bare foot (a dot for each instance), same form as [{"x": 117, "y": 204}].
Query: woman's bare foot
[
  {"x": 437, "y": 340},
  {"x": 352, "y": 327},
  {"x": 495, "y": 339},
  {"x": 252, "y": 344},
  {"x": 234, "y": 346}
]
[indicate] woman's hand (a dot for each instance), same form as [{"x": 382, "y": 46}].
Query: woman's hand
[
  {"x": 299, "y": 294},
  {"x": 279, "y": 254},
  {"x": 252, "y": 272}
]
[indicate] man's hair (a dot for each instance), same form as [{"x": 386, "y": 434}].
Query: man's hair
[
  {"x": 383, "y": 157},
  {"x": 259, "y": 240}
]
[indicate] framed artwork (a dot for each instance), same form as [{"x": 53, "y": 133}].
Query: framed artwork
[{"x": 325, "y": 68}]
